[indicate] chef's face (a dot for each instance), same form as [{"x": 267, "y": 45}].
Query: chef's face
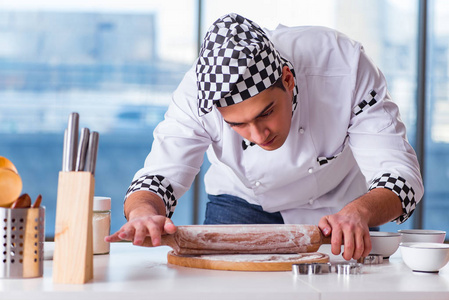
[{"x": 264, "y": 119}]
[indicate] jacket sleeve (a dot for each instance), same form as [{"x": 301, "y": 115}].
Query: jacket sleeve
[
  {"x": 378, "y": 139},
  {"x": 177, "y": 152}
]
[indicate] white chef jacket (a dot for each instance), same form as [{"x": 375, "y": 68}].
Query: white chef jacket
[{"x": 345, "y": 133}]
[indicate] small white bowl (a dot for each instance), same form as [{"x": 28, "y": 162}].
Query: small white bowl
[
  {"x": 384, "y": 243},
  {"x": 422, "y": 235},
  {"x": 425, "y": 257}
]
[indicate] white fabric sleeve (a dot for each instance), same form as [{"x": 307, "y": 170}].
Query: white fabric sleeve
[
  {"x": 378, "y": 139},
  {"x": 177, "y": 152}
]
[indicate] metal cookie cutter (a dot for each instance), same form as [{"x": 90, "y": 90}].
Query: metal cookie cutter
[
  {"x": 311, "y": 268},
  {"x": 349, "y": 268},
  {"x": 372, "y": 259}
]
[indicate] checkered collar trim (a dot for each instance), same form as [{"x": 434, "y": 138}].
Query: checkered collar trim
[{"x": 236, "y": 62}]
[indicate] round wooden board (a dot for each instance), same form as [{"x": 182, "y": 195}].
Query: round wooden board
[{"x": 246, "y": 262}]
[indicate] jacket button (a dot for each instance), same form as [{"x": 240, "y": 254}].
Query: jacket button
[
  {"x": 310, "y": 170},
  {"x": 257, "y": 183},
  {"x": 301, "y": 130}
]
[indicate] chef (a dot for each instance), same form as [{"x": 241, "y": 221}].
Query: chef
[{"x": 299, "y": 128}]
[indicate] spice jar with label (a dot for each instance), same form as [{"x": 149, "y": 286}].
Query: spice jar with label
[{"x": 101, "y": 224}]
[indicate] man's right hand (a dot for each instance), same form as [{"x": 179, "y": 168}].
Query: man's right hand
[{"x": 145, "y": 212}]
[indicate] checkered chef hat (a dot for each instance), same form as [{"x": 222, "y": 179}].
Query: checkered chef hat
[{"x": 236, "y": 62}]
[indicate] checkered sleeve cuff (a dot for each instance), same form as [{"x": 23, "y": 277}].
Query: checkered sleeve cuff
[
  {"x": 400, "y": 187},
  {"x": 156, "y": 184}
]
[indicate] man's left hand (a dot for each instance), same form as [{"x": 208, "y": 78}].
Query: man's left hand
[{"x": 347, "y": 229}]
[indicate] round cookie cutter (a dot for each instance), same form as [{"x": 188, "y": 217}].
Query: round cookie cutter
[
  {"x": 349, "y": 268},
  {"x": 372, "y": 259},
  {"x": 311, "y": 268}
]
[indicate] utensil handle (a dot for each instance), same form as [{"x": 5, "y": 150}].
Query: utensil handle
[
  {"x": 166, "y": 240},
  {"x": 326, "y": 239}
]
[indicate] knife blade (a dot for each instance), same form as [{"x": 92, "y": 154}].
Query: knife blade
[
  {"x": 92, "y": 151},
  {"x": 82, "y": 149},
  {"x": 72, "y": 140},
  {"x": 65, "y": 152}
]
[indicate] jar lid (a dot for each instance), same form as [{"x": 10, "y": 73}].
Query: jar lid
[{"x": 102, "y": 203}]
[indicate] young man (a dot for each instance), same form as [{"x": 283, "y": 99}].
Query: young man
[{"x": 299, "y": 128}]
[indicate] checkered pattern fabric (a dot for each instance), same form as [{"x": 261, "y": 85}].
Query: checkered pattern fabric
[
  {"x": 322, "y": 160},
  {"x": 246, "y": 144},
  {"x": 400, "y": 187},
  {"x": 236, "y": 62},
  {"x": 156, "y": 184},
  {"x": 359, "y": 108}
]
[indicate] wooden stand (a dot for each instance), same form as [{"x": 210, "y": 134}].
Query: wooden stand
[{"x": 73, "y": 254}]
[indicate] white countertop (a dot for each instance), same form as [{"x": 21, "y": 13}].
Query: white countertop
[{"x": 131, "y": 273}]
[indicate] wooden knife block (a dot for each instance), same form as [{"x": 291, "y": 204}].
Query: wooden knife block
[{"x": 73, "y": 254}]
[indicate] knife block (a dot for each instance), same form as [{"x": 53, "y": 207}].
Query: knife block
[{"x": 73, "y": 253}]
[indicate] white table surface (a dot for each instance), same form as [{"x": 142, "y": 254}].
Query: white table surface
[{"x": 130, "y": 273}]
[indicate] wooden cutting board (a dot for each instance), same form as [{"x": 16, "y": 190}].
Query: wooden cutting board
[{"x": 246, "y": 262}]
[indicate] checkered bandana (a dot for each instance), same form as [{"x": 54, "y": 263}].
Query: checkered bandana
[{"x": 236, "y": 62}]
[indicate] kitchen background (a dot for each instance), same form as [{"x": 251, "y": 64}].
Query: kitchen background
[{"x": 117, "y": 63}]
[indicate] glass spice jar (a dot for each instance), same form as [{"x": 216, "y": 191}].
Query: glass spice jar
[{"x": 101, "y": 224}]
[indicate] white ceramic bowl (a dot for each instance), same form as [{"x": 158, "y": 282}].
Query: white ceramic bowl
[
  {"x": 422, "y": 236},
  {"x": 384, "y": 243},
  {"x": 425, "y": 257}
]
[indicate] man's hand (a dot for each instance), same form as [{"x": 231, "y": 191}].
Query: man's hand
[
  {"x": 137, "y": 229},
  {"x": 348, "y": 230},
  {"x": 145, "y": 212},
  {"x": 350, "y": 226}
]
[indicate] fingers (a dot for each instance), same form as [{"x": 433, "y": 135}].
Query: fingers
[
  {"x": 126, "y": 235},
  {"x": 121, "y": 235},
  {"x": 337, "y": 238},
  {"x": 336, "y": 241},
  {"x": 169, "y": 227},
  {"x": 140, "y": 228},
  {"x": 324, "y": 226},
  {"x": 368, "y": 245},
  {"x": 357, "y": 244},
  {"x": 113, "y": 238},
  {"x": 155, "y": 230},
  {"x": 354, "y": 236},
  {"x": 349, "y": 247}
]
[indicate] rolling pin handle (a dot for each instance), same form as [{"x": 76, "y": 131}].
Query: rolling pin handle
[
  {"x": 326, "y": 239},
  {"x": 166, "y": 240}
]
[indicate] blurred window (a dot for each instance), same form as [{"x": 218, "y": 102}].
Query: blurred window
[
  {"x": 436, "y": 166},
  {"x": 117, "y": 64}
]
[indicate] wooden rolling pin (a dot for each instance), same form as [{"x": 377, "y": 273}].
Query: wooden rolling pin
[{"x": 252, "y": 239}]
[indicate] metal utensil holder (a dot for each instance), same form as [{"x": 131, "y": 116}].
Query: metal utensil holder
[{"x": 22, "y": 242}]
